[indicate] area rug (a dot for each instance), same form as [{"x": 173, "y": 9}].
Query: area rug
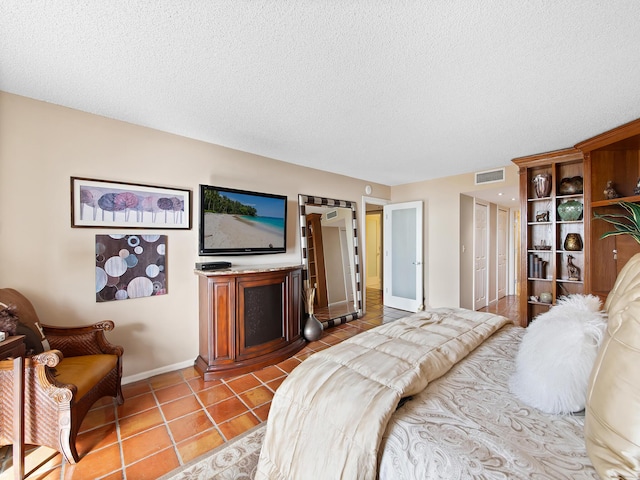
[{"x": 235, "y": 460}]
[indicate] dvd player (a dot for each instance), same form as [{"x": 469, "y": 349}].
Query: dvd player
[{"x": 212, "y": 265}]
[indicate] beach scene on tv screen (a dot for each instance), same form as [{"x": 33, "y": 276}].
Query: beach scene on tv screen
[{"x": 237, "y": 220}]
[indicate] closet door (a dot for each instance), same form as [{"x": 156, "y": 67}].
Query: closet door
[
  {"x": 481, "y": 241},
  {"x": 503, "y": 246}
]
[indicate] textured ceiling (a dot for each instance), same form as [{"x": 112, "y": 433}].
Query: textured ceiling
[{"x": 387, "y": 91}]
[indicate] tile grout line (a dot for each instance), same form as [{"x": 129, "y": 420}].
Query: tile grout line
[
  {"x": 166, "y": 425},
  {"x": 206, "y": 412},
  {"x": 250, "y": 410},
  {"x": 119, "y": 440}
]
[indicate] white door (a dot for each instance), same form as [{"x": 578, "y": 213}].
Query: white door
[
  {"x": 374, "y": 250},
  {"x": 503, "y": 241},
  {"x": 402, "y": 260},
  {"x": 481, "y": 219}
]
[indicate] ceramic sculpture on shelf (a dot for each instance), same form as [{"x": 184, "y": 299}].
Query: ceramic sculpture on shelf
[
  {"x": 610, "y": 192},
  {"x": 312, "y": 326},
  {"x": 574, "y": 271},
  {"x": 542, "y": 216}
]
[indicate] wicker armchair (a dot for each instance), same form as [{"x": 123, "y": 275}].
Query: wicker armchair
[{"x": 62, "y": 383}]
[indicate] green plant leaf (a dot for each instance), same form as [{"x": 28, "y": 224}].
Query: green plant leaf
[
  {"x": 624, "y": 223},
  {"x": 634, "y": 209}
]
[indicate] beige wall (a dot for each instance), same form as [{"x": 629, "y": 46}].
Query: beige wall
[
  {"x": 43, "y": 145},
  {"x": 442, "y": 231}
]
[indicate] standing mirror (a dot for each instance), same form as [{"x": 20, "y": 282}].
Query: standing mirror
[{"x": 330, "y": 260}]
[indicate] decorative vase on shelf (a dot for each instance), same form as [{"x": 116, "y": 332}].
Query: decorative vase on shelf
[
  {"x": 312, "y": 329},
  {"x": 570, "y": 186},
  {"x": 573, "y": 242},
  {"x": 546, "y": 297},
  {"x": 542, "y": 185},
  {"x": 570, "y": 211}
]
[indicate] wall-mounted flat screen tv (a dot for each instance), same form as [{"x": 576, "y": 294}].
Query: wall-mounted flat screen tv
[{"x": 238, "y": 222}]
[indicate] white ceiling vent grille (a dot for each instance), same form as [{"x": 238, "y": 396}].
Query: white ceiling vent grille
[{"x": 490, "y": 176}]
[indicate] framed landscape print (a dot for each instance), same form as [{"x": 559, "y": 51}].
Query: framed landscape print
[{"x": 100, "y": 203}]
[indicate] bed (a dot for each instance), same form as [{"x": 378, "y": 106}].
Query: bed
[
  {"x": 428, "y": 397},
  {"x": 467, "y": 424},
  {"x": 343, "y": 397}
]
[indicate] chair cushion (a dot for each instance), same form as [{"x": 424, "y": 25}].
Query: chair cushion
[
  {"x": 612, "y": 423},
  {"x": 85, "y": 371}
]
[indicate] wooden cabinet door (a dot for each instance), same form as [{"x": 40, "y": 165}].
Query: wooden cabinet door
[{"x": 261, "y": 313}]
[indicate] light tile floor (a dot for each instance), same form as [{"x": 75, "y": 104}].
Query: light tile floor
[{"x": 170, "y": 419}]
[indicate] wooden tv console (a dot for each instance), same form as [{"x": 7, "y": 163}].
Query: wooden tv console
[{"x": 250, "y": 317}]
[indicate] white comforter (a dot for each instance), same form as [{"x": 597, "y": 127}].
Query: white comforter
[
  {"x": 327, "y": 418},
  {"x": 468, "y": 425}
]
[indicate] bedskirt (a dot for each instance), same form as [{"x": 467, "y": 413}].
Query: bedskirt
[{"x": 468, "y": 425}]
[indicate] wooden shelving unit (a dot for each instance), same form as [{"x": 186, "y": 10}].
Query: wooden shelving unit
[
  {"x": 544, "y": 271},
  {"x": 612, "y": 156}
]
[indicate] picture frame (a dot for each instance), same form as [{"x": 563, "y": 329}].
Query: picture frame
[
  {"x": 130, "y": 265},
  {"x": 102, "y": 203}
]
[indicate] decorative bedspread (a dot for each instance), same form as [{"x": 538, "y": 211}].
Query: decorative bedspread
[
  {"x": 467, "y": 425},
  {"x": 327, "y": 418}
]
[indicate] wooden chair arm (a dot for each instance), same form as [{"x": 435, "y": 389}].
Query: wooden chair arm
[
  {"x": 50, "y": 358},
  {"x": 43, "y": 365},
  {"x": 85, "y": 340}
]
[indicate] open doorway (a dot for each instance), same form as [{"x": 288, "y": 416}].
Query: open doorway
[
  {"x": 372, "y": 248},
  {"x": 392, "y": 252},
  {"x": 375, "y": 273}
]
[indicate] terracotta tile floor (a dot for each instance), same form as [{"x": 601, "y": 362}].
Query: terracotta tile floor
[{"x": 170, "y": 419}]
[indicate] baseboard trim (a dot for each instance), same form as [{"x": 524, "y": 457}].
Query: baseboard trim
[{"x": 157, "y": 371}]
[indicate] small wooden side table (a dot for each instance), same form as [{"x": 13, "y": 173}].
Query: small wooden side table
[{"x": 14, "y": 347}]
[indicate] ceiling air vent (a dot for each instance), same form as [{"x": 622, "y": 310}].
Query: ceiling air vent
[
  {"x": 332, "y": 214},
  {"x": 490, "y": 176}
]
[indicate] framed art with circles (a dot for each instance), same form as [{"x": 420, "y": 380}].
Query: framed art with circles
[{"x": 130, "y": 266}]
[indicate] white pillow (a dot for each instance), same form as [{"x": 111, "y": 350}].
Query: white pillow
[{"x": 557, "y": 353}]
